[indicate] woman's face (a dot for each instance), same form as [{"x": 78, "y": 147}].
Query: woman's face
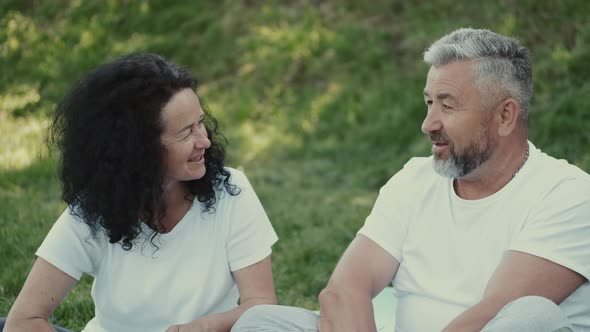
[{"x": 184, "y": 138}]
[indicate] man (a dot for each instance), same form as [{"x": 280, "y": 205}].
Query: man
[{"x": 488, "y": 233}]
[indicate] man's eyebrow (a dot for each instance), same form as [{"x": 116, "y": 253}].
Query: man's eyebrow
[{"x": 441, "y": 96}]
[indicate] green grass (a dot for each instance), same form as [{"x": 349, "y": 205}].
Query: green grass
[{"x": 320, "y": 100}]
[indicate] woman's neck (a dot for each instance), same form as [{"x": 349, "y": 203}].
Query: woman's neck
[{"x": 178, "y": 200}]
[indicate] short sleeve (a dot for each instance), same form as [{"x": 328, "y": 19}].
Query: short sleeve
[
  {"x": 559, "y": 228},
  {"x": 70, "y": 246},
  {"x": 251, "y": 234},
  {"x": 387, "y": 223}
]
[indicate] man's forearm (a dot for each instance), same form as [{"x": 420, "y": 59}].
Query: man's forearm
[
  {"x": 476, "y": 317},
  {"x": 345, "y": 311}
]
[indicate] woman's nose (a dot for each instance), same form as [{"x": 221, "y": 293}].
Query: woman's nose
[{"x": 203, "y": 142}]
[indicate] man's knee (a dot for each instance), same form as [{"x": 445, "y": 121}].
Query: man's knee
[
  {"x": 543, "y": 308},
  {"x": 276, "y": 318},
  {"x": 530, "y": 313},
  {"x": 527, "y": 302}
]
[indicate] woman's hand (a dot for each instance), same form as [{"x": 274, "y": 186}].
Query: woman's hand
[
  {"x": 199, "y": 325},
  {"x": 255, "y": 285}
]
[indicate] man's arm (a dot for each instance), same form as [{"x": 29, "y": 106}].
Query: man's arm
[
  {"x": 518, "y": 275},
  {"x": 362, "y": 272}
]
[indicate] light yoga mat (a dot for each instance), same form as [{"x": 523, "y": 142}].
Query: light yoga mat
[{"x": 384, "y": 306}]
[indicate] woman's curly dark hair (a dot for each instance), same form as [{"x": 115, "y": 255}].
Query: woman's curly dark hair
[{"x": 108, "y": 130}]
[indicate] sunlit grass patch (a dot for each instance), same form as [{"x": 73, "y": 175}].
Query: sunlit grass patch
[{"x": 21, "y": 140}]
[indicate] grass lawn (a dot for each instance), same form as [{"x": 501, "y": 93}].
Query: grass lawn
[{"x": 321, "y": 102}]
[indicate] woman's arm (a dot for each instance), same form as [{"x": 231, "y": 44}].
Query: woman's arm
[
  {"x": 44, "y": 289},
  {"x": 256, "y": 286}
]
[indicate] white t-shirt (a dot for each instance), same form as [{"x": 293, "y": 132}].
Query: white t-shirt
[
  {"x": 448, "y": 247},
  {"x": 189, "y": 276}
]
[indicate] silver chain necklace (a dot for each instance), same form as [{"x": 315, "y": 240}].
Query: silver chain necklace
[{"x": 526, "y": 157}]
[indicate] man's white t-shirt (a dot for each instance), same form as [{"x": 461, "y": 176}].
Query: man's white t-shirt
[
  {"x": 188, "y": 276},
  {"x": 448, "y": 247}
]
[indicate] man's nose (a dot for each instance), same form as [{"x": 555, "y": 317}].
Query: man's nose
[{"x": 432, "y": 121}]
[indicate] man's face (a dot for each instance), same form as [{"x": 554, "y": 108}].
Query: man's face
[{"x": 457, "y": 122}]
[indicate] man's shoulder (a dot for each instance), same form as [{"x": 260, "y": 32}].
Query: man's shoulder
[
  {"x": 416, "y": 173},
  {"x": 553, "y": 177},
  {"x": 421, "y": 164},
  {"x": 555, "y": 170},
  {"x": 419, "y": 168}
]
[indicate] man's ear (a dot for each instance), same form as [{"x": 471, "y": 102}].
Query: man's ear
[{"x": 509, "y": 116}]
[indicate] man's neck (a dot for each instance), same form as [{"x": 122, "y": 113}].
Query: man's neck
[{"x": 494, "y": 174}]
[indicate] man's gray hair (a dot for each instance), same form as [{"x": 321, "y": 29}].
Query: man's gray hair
[{"x": 501, "y": 65}]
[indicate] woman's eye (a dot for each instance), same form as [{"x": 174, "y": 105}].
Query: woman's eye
[{"x": 189, "y": 131}]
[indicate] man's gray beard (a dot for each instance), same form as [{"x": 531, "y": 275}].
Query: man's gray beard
[
  {"x": 447, "y": 167},
  {"x": 459, "y": 165}
]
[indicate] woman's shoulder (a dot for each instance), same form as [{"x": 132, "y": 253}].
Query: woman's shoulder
[
  {"x": 237, "y": 186},
  {"x": 238, "y": 179},
  {"x": 72, "y": 221},
  {"x": 236, "y": 176}
]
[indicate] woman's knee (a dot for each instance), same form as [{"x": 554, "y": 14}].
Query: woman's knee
[{"x": 268, "y": 317}]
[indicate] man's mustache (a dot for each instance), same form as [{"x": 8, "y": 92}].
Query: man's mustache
[{"x": 439, "y": 137}]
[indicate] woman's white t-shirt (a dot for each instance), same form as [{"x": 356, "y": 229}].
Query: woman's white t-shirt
[{"x": 187, "y": 276}]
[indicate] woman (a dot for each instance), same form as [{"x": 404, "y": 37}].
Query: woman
[{"x": 171, "y": 236}]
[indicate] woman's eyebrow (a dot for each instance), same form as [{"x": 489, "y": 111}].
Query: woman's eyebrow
[{"x": 185, "y": 128}]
